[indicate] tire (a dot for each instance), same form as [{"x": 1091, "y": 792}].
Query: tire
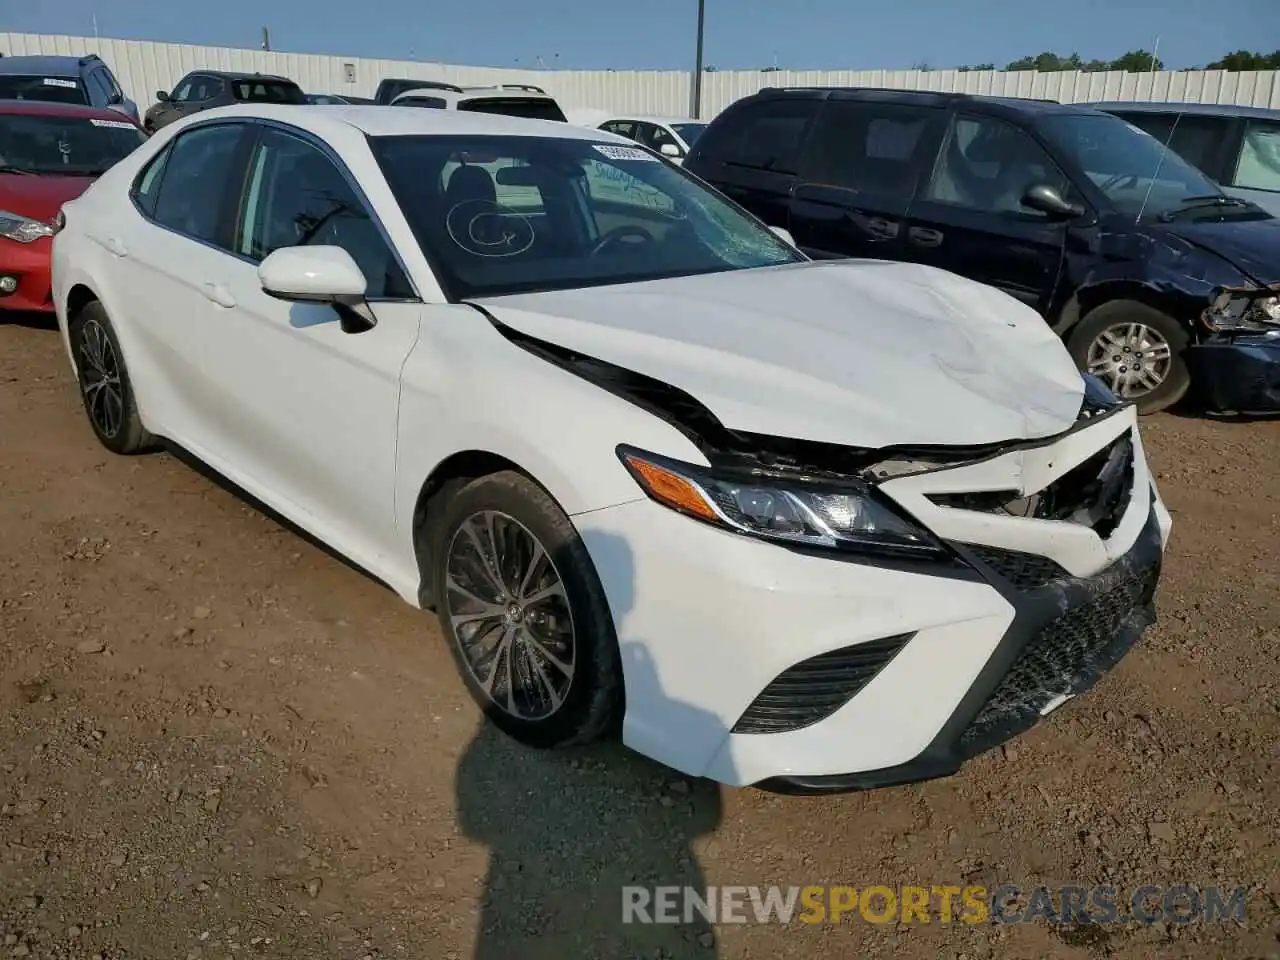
[
  {"x": 1088, "y": 347},
  {"x": 512, "y": 511},
  {"x": 112, "y": 408}
]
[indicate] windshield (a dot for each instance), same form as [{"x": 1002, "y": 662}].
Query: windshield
[
  {"x": 49, "y": 89},
  {"x": 259, "y": 91},
  {"x": 689, "y": 132},
  {"x": 1130, "y": 166},
  {"x": 531, "y": 108},
  {"x": 516, "y": 214},
  {"x": 76, "y": 146}
]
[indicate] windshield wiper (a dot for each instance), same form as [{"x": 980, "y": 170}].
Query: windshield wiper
[
  {"x": 19, "y": 171},
  {"x": 1200, "y": 203}
]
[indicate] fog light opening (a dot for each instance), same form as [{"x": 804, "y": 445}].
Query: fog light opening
[{"x": 8, "y": 284}]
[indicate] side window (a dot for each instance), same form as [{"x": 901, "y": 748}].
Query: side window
[
  {"x": 1198, "y": 140},
  {"x": 987, "y": 165},
  {"x": 864, "y": 145},
  {"x": 146, "y": 189},
  {"x": 201, "y": 89},
  {"x": 1259, "y": 165},
  {"x": 195, "y": 179},
  {"x": 657, "y": 137},
  {"x": 113, "y": 88},
  {"x": 182, "y": 92},
  {"x": 623, "y": 128},
  {"x": 431, "y": 103},
  {"x": 297, "y": 196},
  {"x": 1159, "y": 125},
  {"x": 762, "y": 136}
]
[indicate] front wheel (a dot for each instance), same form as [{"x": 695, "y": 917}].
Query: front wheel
[
  {"x": 524, "y": 614},
  {"x": 1135, "y": 350}
]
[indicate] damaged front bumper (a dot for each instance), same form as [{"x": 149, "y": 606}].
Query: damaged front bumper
[
  {"x": 1236, "y": 366},
  {"x": 751, "y": 663}
]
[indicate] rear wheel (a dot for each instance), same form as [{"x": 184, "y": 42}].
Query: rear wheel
[
  {"x": 1135, "y": 350},
  {"x": 105, "y": 389},
  {"x": 525, "y": 615}
]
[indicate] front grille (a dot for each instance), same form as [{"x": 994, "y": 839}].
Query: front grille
[
  {"x": 1066, "y": 656},
  {"x": 814, "y": 689},
  {"x": 1095, "y": 493},
  {"x": 1026, "y": 571}
]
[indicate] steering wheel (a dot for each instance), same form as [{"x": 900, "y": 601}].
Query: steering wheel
[
  {"x": 1114, "y": 180},
  {"x": 620, "y": 235}
]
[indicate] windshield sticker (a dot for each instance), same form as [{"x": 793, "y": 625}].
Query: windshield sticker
[
  {"x": 624, "y": 153},
  {"x": 55, "y": 82},
  {"x": 118, "y": 124}
]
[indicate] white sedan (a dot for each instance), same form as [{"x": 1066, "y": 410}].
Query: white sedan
[
  {"x": 672, "y": 137},
  {"x": 812, "y": 525}
]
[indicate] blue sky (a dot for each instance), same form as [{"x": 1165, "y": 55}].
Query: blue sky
[{"x": 659, "y": 34}]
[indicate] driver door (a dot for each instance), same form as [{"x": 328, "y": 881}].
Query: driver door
[{"x": 968, "y": 217}]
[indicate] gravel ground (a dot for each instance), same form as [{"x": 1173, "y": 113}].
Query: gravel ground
[{"x": 218, "y": 741}]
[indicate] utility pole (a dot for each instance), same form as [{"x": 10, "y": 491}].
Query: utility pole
[
  {"x": 695, "y": 95},
  {"x": 266, "y": 39}
]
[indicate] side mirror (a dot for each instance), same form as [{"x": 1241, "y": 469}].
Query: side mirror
[
  {"x": 1048, "y": 200},
  {"x": 669, "y": 150},
  {"x": 162, "y": 96},
  {"x": 319, "y": 274},
  {"x": 785, "y": 234}
]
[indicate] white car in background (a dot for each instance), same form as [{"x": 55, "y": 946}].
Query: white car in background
[
  {"x": 812, "y": 525},
  {"x": 508, "y": 99},
  {"x": 672, "y": 137}
]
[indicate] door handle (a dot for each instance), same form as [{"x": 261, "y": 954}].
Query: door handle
[
  {"x": 218, "y": 294},
  {"x": 925, "y": 237},
  {"x": 882, "y": 228}
]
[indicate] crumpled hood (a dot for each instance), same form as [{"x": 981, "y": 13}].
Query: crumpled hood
[
  {"x": 1251, "y": 246},
  {"x": 861, "y": 353}
]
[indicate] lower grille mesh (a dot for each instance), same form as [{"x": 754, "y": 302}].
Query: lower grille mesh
[
  {"x": 1026, "y": 571},
  {"x": 1066, "y": 656},
  {"x": 814, "y": 689}
]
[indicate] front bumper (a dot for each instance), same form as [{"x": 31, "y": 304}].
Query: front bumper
[
  {"x": 711, "y": 623},
  {"x": 29, "y": 263},
  {"x": 1237, "y": 376}
]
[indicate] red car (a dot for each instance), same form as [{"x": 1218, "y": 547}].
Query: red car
[{"x": 49, "y": 154}]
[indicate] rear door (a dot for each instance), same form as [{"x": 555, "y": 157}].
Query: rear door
[
  {"x": 752, "y": 155},
  {"x": 858, "y": 174},
  {"x": 968, "y": 217}
]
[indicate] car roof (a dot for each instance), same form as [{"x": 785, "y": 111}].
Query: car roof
[
  {"x": 1200, "y": 109},
  {"x": 393, "y": 121},
  {"x": 53, "y": 66},
  {"x": 442, "y": 91},
  {"x": 233, "y": 75},
  {"x": 50, "y": 108},
  {"x": 1025, "y": 107}
]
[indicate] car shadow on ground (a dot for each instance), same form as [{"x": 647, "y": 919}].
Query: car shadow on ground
[
  {"x": 568, "y": 831},
  {"x": 29, "y": 318}
]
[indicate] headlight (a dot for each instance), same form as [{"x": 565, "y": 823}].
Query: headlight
[
  {"x": 1244, "y": 310},
  {"x": 845, "y": 517},
  {"x": 22, "y": 229}
]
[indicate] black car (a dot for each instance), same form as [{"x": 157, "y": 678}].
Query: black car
[
  {"x": 206, "y": 89},
  {"x": 1153, "y": 276},
  {"x": 391, "y": 87}
]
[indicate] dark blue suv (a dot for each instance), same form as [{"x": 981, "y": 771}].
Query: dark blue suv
[
  {"x": 80, "y": 80},
  {"x": 1154, "y": 277}
]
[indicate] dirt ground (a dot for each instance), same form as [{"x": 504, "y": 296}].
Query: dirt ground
[{"x": 217, "y": 741}]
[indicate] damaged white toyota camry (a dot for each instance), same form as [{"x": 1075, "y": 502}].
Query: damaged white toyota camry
[{"x": 815, "y": 526}]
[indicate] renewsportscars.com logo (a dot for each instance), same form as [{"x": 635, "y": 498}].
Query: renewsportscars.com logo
[{"x": 1008, "y": 903}]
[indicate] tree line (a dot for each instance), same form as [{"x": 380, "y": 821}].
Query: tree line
[{"x": 1135, "y": 61}]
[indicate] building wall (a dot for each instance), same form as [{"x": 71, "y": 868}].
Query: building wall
[{"x": 143, "y": 67}]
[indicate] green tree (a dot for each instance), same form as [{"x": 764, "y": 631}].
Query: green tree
[
  {"x": 1137, "y": 61},
  {"x": 1245, "y": 60}
]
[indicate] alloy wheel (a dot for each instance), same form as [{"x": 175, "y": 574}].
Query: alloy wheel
[
  {"x": 506, "y": 603},
  {"x": 100, "y": 379},
  {"x": 1133, "y": 359}
]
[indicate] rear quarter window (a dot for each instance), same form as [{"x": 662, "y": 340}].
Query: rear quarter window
[
  {"x": 531, "y": 108},
  {"x": 764, "y": 136}
]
